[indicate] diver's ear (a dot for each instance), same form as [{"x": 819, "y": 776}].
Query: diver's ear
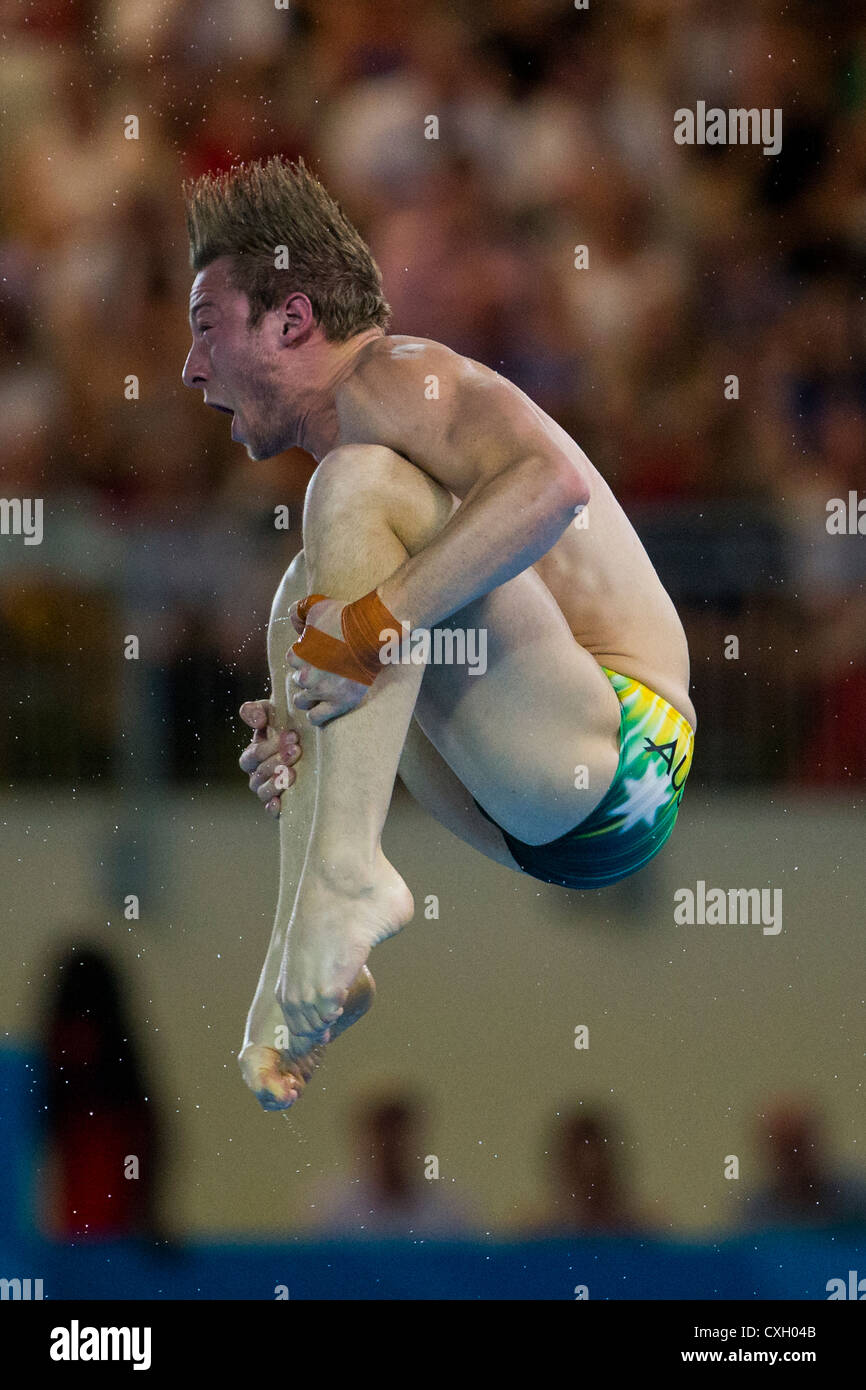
[{"x": 298, "y": 319}]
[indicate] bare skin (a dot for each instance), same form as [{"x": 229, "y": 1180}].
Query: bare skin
[
  {"x": 444, "y": 487},
  {"x": 277, "y": 1079},
  {"x": 275, "y": 1074},
  {"x": 600, "y": 576}
]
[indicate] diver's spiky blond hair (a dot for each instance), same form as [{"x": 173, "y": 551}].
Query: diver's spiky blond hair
[{"x": 250, "y": 210}]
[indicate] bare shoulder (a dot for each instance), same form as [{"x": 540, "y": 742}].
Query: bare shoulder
[
  {"x": 400, "y": 370},
  {"x": 452, "y": 416}
]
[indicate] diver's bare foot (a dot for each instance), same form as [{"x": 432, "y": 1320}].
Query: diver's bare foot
[
  {"x": 334, "y": 927},
  {"x": 276, "y": 1079}
]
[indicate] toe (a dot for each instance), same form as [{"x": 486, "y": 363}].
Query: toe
[
  {"x": 268, "y": 1100},
  {"x": 274, "y": 1087}
]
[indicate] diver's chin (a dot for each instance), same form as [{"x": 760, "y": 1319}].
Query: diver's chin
[
  {"x": 260, "y": 449},
  {"x": 259, "y": 452}
]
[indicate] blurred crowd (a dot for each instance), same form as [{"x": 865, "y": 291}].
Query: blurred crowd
[{"x": 555, "y": 130}]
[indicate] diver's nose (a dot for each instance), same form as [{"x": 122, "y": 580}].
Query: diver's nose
[{"x": 192, "y": 374}]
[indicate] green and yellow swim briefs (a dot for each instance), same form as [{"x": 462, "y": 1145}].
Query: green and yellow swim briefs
[{"x": 640, "y": 807}]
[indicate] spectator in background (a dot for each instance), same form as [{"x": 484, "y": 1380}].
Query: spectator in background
[
  {"x": 590, "y": 1190},
  {"x": 801, "y": 1188},
  {"x": 100, "y": 1128},
  {"x": 393, "y": 1196}
]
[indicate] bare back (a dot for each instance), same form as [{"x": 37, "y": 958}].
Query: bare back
[{"x": 460, "y": 422}]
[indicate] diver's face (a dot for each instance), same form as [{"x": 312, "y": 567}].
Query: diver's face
[{"x": 236, "y": 367}]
